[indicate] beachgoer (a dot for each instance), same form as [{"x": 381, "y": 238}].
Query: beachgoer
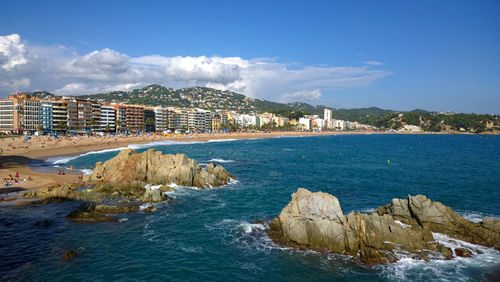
[
  {"x": 29, "y": 178},
  {"x": 17, "y": 174},
  {"x": 80, "y": 177},
  {"x": 71, "y": 168}
]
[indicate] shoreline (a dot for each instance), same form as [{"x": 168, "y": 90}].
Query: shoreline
[{"x": 18, "y": 155}]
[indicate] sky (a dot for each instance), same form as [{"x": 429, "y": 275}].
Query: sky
[{"x": 401, "y": 55}]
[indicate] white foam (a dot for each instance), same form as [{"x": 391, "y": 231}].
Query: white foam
[
  {"x": 63, "y": 160},
  {"x": 223, "y": 140},
  {"x": 145, "y": 206},
  {"x": 152, "y": 187},
  {"x": 402, "y": 224},
  {"x": 87, "y": 171},
  {"x": 408, "y": 268},
  {"x": 249, "y": 227},
  {"x": 221, "y": 161},
  {"x": 122, "y": 219},
  {"x": 474, "y": 216}
]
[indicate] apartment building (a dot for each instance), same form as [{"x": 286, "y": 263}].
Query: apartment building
[
  {"x": 46, "y": 115},
  {"x": 107, "y": 118},
  {"x": 149, "y": 120},
  {"x": 84, "y": 114},
  {"x": 134, "y": 117},
  {"x": 121, "y": 117},
  {"x": 95, "y": 120},
  {"x": 163, "y": 119},
  {"x": 59, "y": 114},
  {"x": 6, "y": 115},
  {"x": 72, "y": 114}
]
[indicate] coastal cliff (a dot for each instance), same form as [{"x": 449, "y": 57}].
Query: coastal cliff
[{"x": 315, "y": 221}]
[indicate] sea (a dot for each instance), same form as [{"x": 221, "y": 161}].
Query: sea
[{"x": 218, "y": 234}]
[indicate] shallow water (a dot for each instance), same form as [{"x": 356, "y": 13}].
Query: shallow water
[{"x": 203, "y": 235}]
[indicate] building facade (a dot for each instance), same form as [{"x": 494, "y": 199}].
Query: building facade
[{"x": 46, "y": 115}]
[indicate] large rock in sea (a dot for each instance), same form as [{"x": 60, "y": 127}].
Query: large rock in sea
[
  {"x": 154, "y": 167},
  {"x": 315, "y": 221}
]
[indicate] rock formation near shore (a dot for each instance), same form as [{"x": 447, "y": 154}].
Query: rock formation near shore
[
  {"x": 128, "y": 180},
  {"x": 154, "y": 167},
  {"x": 315, "y": 221}
]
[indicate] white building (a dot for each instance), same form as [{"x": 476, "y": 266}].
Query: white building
[
  {"x": 328, "y": 117},
  {"x": 305, "y": 123},
  {"x": 340, "y": 124},
  {"x": 6, "y": 115},
  {"x": 246, "y": 120},
  {"x": 108, "y": 117}
]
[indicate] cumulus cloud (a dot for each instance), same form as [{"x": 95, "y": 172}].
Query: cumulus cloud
[
  {"x": 12, "y": 52},
  {"x": 63, "y": 71}
]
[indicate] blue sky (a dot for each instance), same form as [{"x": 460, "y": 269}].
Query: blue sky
[{"x": 402, "y": 55}]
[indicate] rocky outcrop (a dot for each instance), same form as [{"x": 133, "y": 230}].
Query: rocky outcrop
[
  {"x": 154, "y": 167},
  {"x": 315, "y": 221},
  {"x": 436, "y": 217}
]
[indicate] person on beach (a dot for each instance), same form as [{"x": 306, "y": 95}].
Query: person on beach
[
  {"x": 17, "y": 174},
  {"x": 80, "y": 177},
  {"x": 71, "y": 168}
]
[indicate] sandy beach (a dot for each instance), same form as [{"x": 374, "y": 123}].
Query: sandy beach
[{"x": 17, "y": 154}]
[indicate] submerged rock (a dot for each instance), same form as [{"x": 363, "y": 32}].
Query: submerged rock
[
  {"x": 315, "y": 221},
  {"x": 99, "y": 213},
  {"x": 156, "y": 168}
]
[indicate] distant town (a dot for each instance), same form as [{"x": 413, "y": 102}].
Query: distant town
[
  {"x": 155, "y": 108},
  {"x": 22, "y": 113}
]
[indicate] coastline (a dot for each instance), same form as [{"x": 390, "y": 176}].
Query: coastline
[{"x": 18, "y": 155}]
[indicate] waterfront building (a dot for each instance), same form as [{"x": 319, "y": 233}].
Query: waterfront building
[
  {"x": 340, "y": 124},
  {"x": 84, "y": 114},
  {"x": 121, "y": 117},
  {"x": 245, "y": 120},
  {"x": 134, "y": 117},
  {"x": 72, "y": 113},
  {"x": 6, "y": 115},
  {"x": 163, "y": 119},
  {"x": 328, "y": 117},
  {"x": 46, "y": 115},
  {"x": 149, "y": 120},
  {"x": 59, "y": 114},
  {"x": 107, "y": 118},
  {"x": 95, "y": 120},
  {"x": 305, "y": 123}
]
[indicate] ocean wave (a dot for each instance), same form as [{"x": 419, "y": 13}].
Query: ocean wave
[
  {"x": 152, "y": 187},
  {"x": 223, "y": 140},
  {"x": 86, "y": 171},
  {"x": 250, "y": 227},
  {"x": 475, "y": 216},
  {"x": 221, "y": 160},
  {"x": 63, "y": 160},
  {"x": 408, "y": 268}
]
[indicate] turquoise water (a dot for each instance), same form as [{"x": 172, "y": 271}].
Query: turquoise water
[{"x": 209, "y": 235}]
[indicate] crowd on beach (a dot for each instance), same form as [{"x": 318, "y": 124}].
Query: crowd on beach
[{"x": 11, "y": 180}]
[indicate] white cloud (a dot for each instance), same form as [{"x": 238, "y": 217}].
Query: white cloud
[
  {"x": 373, "y": 63},
  {"x": 61, "y": 70},
  {"x": 304, "y": 95},
  {"x": 12, "y": 52}
]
